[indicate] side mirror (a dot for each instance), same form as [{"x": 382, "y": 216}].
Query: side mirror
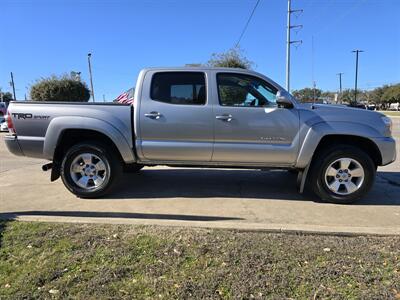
[{"x": 283, "y": 101}]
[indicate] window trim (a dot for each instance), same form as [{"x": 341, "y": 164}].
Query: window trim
[
  {"x": 174, "y": 72},
  {"x": 242, "y": 74}
]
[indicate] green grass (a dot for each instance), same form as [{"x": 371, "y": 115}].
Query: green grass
[
  {"x": 391, "y": 113},
  {"x": 124, "y": 262}
]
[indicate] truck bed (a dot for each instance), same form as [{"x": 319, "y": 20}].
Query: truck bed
[{"x": 34, "y": 121}]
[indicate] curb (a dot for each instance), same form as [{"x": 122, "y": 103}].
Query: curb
[{"x": 303, "y": 229}]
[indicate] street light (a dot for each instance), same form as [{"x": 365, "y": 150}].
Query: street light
[
  {"x": 76, "y": 75},
  {"x": 355, "y": 85},
  {"x": 90, "y": 73}
]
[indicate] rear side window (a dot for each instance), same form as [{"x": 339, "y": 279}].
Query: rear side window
[{"x": 185, "y": 88}]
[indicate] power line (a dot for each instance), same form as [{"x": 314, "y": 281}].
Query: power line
[
  {"x": 339, "y": 18},
  {"x": 247, "y": 24}
]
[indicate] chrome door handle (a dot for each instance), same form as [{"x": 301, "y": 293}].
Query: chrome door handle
[
  {"x": 225, "y": 118},
  {"x": 153, "y": 115}
]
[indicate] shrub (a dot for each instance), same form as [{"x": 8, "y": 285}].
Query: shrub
[
  {"x": 233, "y": 58},
  {"x": 62, "y": 88}
]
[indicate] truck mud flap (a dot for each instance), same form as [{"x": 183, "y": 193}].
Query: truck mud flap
[{"x": 55, "y": 172}]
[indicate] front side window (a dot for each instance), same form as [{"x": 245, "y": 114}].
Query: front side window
[
  {"x": 245, "y": 91},
  {"x": 185, "y": 88}
]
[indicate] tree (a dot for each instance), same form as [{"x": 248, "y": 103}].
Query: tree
[
  {"x": 63, "y": 88},
  {"x": 392, "y": 94},
  {"x": 376, "y": 94},
  {"x": 7, "y": 96},
  {"x": 233, "y": 58},
  {"x": 347, "y": 96},
  {"x": 307, "y": 94}
]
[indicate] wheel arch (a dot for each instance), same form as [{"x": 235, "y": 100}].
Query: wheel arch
[
  {"x": 64, "y": 129},
  {"x": 59, "y": 138},
  {"x": 363, "y": 143},
  {"x": 324, "y": 134}
]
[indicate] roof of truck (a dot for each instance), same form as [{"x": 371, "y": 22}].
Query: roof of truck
[{"x": 185, "y": 68}]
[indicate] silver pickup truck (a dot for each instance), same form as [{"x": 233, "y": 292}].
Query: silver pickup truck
[{"x": 205, "y": 117}]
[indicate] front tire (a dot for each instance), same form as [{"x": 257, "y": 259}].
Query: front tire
[
  {"x": 90, "y": 170},
  {"x": 341, "y": 174}
]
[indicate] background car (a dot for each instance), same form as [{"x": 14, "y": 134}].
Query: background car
[
  {"x": 3, "y": 124},
  {"x": 3, "y": 108}
]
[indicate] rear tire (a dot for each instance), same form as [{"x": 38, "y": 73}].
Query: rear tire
[
  {"x": 341, "y": 174},
  {"x": 90, "y": 170}
]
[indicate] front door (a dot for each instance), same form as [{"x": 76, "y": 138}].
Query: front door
[
  {"x": 249, "y": 126},
  {"x": 176, "y": 123}
]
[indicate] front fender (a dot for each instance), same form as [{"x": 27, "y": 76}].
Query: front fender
[
  {"x": 59, "y": 124},
  {"x": 320, "y": 130}
]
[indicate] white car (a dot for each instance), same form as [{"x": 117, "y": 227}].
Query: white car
[{"x": 3, "y": 124}]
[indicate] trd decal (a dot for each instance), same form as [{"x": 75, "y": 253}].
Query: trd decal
[{"x": 25, "y": 116}]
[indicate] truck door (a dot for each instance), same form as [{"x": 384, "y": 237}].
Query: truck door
[
  {"x": 249, "y": 127},
  {"x": 176, "y": 122}
]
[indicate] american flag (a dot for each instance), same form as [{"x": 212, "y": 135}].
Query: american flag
[{"x": 126, "y": 97}]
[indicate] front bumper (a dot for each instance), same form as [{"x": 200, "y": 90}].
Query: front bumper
[
  {"x": 13, "y": 145},
  {"x": 387, "y": 147}
]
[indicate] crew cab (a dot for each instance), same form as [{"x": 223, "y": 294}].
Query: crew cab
[{"x": 205, "y": 117}]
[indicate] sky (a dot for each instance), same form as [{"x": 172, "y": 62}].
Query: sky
[{"x": 40, "y": 38}]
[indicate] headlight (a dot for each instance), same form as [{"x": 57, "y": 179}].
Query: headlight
[{"x": 388, "y": 123}]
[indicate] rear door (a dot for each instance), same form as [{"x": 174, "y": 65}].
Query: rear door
[
  {"x": 176, "y": 122},
  {"x": 249, "y": 126}
]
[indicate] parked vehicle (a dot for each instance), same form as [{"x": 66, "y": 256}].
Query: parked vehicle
[
  {"x": 205, "y": 117},
  {"x": 358, "y": 105},
  {"x": 394, "y": 106},
  {"x": 3, "y": 109},
  {"x": 3, "y": 124}
]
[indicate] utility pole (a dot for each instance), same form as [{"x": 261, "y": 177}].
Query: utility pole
[
  {"x": 289, "y": 41},
  {"x": 340, "y": 84},
  {"x": 13, "y": 85},
  {"x": 314, "y": 86},
  {"x": 355, "y": 84},
  {"x": 90, "y": 73}
]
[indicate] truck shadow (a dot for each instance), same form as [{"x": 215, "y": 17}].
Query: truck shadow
[
  {"x": 153, "y": 183},
  {"x": 121, "y": 215},
  {"x": 227, "y": 183}
]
